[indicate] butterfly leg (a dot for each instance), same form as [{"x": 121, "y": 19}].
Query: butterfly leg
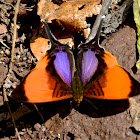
[
  {"x": 91, "y": 104},
  {"x": 39, "y": 112}
]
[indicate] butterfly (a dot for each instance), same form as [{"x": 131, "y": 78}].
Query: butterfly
[{"x": 89, "y": 72}]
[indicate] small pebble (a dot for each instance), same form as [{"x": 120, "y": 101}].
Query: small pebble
[
  {"x": 60, "y": 135},
  {"x": 43, "y": 128},
  {"x": 2, "y": 52},
  {"x": 37, "y": 126},
  {"x": 18, "y": 56},
  {"x": 25, "y": 58},
  {"x": 29, "y": 61},
  {"x": 7, "y": 52}
]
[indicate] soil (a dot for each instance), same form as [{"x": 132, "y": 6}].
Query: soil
[{"x": 112, "y": 121}]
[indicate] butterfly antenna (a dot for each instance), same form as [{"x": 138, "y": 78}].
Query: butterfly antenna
[
  {"x": 49, "y": 33},
  {"x": 96, "y": 29}
]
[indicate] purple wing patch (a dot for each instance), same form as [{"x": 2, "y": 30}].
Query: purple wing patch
[
  {"x": 62, "y": 67},
  {"x": 89, "y": 65}
]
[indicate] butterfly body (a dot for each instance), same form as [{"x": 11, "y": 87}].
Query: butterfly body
[
  {"x": 76, "y": 73},
  {"x": 86, "y": 65}
]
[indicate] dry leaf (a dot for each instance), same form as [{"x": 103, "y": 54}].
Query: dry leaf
[
  {"x": 46, "y": 9},
  {"x": 71, "y": 16}
]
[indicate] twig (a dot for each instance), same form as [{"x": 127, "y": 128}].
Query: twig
[
  {"x": 16, "y": 130},
  {"x": 10, "y": 69},
  {"x": 14, "y": 34},
  {"x": 4, "y": 44}
]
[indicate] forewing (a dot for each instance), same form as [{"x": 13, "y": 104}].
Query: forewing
[
  {"x": 41, "y": 85},
  {"x": 114, "y": 83}
]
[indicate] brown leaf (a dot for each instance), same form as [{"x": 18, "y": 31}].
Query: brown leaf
[
  {"x": 70, "y": 15},
  {"x": 73, "y": 15},
  {"x": 46, "y": 10}
]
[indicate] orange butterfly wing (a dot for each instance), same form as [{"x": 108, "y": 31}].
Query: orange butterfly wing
[
  {"x": 40, "y": 86},
  {"x": 115, "y": 83}
]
